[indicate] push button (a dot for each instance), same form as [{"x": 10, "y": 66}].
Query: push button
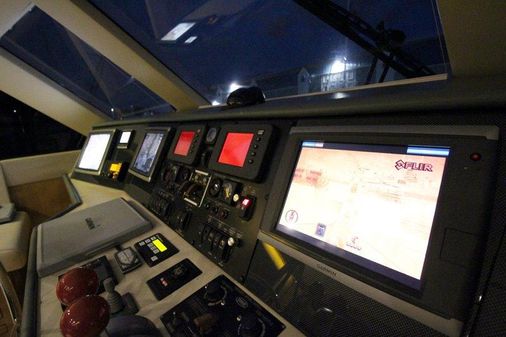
[{"x": 246, "y": 207}]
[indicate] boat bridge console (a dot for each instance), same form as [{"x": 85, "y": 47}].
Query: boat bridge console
[
  {"x": 356, "y": 225},
  {"x": 252, "y": 168}
]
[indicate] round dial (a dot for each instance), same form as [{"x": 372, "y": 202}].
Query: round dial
[
  {"x": 211, "y": 135},
  {"x": 214, "y": 293}
]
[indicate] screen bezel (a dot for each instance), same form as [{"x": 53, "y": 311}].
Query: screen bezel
[
  {"x": 325, "y": 248},
  {"x": 440, "y": 277},
  {"x": 253, "y": 170},
  {"x": 149, "y": 176},
  {"x": 187, "y": 144},
  {"x": 191, "y": 157},
  {"x": 112, "y": 133}
]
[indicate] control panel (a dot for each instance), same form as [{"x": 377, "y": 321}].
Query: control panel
[
  {"x": 210, "y": 181},
  {"x": 209, "y": 187},
  {"x": 155, "y": 249},
  {"x": 221, "y": 309},
  {"x": 167, "y": 282}
]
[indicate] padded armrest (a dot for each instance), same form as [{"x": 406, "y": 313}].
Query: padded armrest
[
  {"x": 14, "y": 238},
  {"x": 7, "y": 212}
]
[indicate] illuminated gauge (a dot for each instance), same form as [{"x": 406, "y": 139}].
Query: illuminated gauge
[
  {"x": 215, "y": 187},
  {"x": 211, "y": 135}
]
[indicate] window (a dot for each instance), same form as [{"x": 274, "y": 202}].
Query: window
[
  {"x": 44, "y": 44},
  {"x": 27, "y": 132},
  {"x": 217, "y": 46}
]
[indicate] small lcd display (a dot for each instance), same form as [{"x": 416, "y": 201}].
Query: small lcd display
[
  {"x": 125, "y": 137},
  {"x": 94, "y": 151},
  {"x": 184, "y": 142},
  {"x": 147, "y": 154},
  {"x": 369, "y": 204},
  {"x": 235, "y": 149}
]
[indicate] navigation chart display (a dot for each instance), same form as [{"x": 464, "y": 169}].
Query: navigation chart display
[
  {"x": 148, "y": 152},
  {"x": 373, "y": 205}
]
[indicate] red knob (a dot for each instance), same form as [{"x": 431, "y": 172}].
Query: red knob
[
  {"x": 85, "y": 317},
  {"x": 76, "y": 283}
]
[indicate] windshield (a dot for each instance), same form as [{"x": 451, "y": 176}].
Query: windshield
[
  {"x": 47, "y": 46},
  {"x": 285, "y": 47}
]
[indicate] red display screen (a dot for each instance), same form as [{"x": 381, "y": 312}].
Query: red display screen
[
  {"x": 235, "y": 149},
  {"x": 184, "y": 142}
]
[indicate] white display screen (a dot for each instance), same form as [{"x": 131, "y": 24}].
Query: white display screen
[
  {"x": 95, "y": 151},
  {"x": 370, "y": 204},
  {"x": 147, "y": 154},
  {"x": 125, "y": 137}
]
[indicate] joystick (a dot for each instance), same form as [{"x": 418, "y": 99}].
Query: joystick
[
  {"x": 113, "y": 297},
  {"x": 119, "y": 304}
]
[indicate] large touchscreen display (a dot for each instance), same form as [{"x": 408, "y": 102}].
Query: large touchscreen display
[{"x": 370, "y": 204}]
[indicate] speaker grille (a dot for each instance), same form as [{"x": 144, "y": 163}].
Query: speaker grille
[{"x": 320, "y": 306}]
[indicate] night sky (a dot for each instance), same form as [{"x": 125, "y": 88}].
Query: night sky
[{"x": 25, "y": 131}]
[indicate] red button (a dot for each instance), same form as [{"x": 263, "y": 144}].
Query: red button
[{"x": 245, "y": 203}]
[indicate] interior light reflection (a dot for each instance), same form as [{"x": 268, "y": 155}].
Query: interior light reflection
[
  {"x": 190, "y": 39},
  {"x": 275, "y": 256},
  {"x": 176, "y": 32},
  {"x": 339, "y": 95}
]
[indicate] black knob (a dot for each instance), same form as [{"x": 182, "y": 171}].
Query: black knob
[
  {"x": 165, "y": 175},
  {"x": 182, "y": 218},
  {"x": 250, "y": 326},
  {"x": 166, "y": 209},
  {"x": 204, "y": 158},
  {"x": 169, "y": 173},
  {"x": 215, "y": 187},
  {"x": 214, "y": 292}
]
